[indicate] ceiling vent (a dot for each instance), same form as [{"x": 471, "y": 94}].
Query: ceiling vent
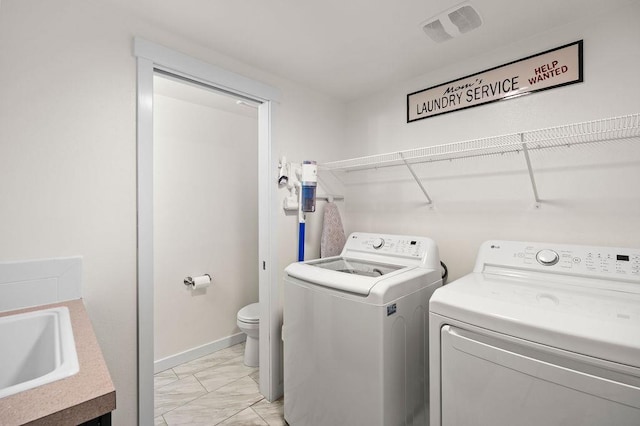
[{"x": 451, "y": 23}]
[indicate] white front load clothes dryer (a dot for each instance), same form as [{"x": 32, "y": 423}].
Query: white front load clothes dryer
[
  {"x": 355, "y": 333},
  {"x": 538, "y": 334}
]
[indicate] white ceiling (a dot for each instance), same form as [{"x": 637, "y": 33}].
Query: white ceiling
[{"x": 350, "y": 48}]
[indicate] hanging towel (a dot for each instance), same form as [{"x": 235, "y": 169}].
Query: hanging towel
[{"x": 333, "y": 238}]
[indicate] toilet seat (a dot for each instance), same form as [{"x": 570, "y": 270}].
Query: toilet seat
[{"x": 250, "y": 314}]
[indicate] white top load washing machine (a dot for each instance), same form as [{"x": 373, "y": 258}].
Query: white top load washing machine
[
  {"x": 355, "y": 327},
  {"x": 538, "y": 334}
]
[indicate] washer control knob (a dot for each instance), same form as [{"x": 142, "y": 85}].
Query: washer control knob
[
  {"x": 378, "y": 243},
  {"x": 547, "y": 257}
]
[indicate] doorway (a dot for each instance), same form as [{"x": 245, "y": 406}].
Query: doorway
[
  {"x": 151, "y": 59},
  {"x": 205, "y": 195}
]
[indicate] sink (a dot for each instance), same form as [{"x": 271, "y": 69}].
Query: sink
[{"x": 37, "y": 348}]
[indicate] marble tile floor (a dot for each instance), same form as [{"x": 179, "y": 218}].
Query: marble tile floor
[{"x": 217, "y": 389}]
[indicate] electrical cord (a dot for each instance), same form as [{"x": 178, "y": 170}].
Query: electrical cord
[{"x": 445, "y": 272}]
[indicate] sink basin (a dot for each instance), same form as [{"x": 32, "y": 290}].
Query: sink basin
[{"x": 36, "y": 348}]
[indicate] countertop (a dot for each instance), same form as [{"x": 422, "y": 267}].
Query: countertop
[{"x": 84, "y": 396}]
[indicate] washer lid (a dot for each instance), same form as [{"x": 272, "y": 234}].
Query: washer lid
[
  {"x": 250, "y": 313},
  {"x": 356, "y": 266},
  {"x": 351, "y": 275},
  {"x": 580, "y": 315}
]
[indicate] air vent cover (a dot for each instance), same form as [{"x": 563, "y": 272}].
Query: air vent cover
[
  {"x": 466, "y": 19},
  {"x": 436, "y": 31},
  {"x": 451, "y": 23}
]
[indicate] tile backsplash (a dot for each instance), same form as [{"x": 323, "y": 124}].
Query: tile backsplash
[{"x": 39, "y": 282}]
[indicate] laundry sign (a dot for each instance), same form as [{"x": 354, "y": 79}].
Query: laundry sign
[{"x": 554, "y": 68}]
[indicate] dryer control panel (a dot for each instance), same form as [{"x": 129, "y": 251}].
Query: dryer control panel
[{"x": 597, "y": 262}]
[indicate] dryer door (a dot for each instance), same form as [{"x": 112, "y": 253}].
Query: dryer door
[{"x": 496, "y": 380}]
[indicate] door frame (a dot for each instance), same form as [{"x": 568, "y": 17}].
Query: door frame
[{"x": 151, "y": 57}]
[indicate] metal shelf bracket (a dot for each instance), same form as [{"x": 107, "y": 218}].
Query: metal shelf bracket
[
  {"x": 525, "y": 151},
  {"x": 417, "y": 179}
]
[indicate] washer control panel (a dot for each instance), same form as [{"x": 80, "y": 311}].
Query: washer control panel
[
  {"x": 603, "y": 262},
  {"x": 391, "y": 245}
]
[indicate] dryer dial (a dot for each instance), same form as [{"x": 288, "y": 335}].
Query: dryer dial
[{"x": 547, "y": 257}]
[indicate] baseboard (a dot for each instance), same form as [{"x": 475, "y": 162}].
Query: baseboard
[{"x": 197, "y": 352}]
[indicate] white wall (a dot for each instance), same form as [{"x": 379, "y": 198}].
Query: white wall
[
  {"x": 205, "y": 221},
  {"x": 68, "y": 153},
  {"x": 589, "y": 193}
]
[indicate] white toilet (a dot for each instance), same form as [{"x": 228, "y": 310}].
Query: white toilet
[{"x": 249, "y": 323}]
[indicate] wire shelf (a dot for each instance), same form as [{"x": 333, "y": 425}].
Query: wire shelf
[{"x": 604, "y": 130}]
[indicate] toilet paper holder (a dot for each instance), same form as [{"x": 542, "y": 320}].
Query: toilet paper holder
[{"x": 190, "y": 282}]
